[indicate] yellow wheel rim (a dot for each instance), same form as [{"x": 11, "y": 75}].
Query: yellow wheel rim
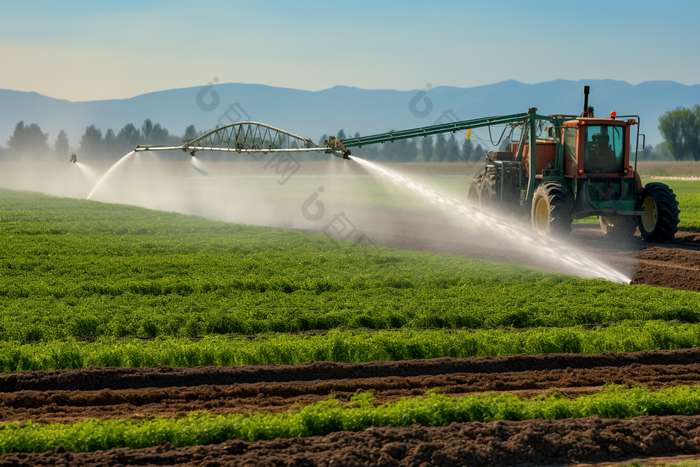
[
  {"x": 541, "y": 215},
  {"x": 652, "y": 214}
]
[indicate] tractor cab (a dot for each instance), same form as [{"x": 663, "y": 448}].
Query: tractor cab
[{"x": 596, "y": 148}]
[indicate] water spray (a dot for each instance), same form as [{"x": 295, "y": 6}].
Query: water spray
[
  {"x": 557, "y": 250},
  {"x": 109, "y": 172}
]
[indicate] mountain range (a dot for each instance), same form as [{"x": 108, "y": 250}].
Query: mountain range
[{"x": 315, "y": 113}]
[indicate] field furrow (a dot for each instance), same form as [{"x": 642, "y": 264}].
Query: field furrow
[{"x": 501, "y": 443}]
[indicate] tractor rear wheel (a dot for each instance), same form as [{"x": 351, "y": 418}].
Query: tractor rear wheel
[
  {"x": 473, "y": 190},
  {"x": 660, "y": 222},
  {"x": 487, "y": 193},
  {"x": 618, "y": 227},
  {"x": 551, "y": 210}
]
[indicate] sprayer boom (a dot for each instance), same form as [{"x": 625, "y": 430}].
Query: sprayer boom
[
  {"x": 451, "y": 127},
  {"x": 246, "y": 137}
]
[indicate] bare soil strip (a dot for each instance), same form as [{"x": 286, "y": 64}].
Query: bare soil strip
[
  {"x": 72, "y": 406},
  {"x": 96, "y": 378},
  {"x": 539, "y": 442},
  {"x": 263, "y": 389}
]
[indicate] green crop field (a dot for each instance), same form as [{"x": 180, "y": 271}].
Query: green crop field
[
  {"x": 347, "y": 346},
  {"x": 74, "y": 272}
]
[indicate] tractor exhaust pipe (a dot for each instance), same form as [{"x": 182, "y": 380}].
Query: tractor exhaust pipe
[{"x": 587, "y": 111}]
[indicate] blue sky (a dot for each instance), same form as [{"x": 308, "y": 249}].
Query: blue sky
[{"x": 80, "y": 50}]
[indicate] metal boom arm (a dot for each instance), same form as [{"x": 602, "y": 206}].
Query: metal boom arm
[
  {"x": 253, "y": 137},
  {"x": 443, "y": 128}
]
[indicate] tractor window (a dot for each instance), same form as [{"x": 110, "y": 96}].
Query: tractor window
[
  {"x": 570, "y": 142},
  {"x": 604, "y": 149}
]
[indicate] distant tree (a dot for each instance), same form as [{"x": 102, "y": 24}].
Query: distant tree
[
  {"x": 411, "y": 150},
  {"x": 321, "y": 141},
  {"x": 146, "y": 129},
  {"x": 398, "y": 150},
  {"x": 109, "y": 145},
  {"x": 661, "y": 152},
  {"x": 61, "y": 146},
  {"x": 452, "y": 149},
  {"x": 127, "y": 139},
  {"x": 440, "y": 149},
  {"x": 159, "y": 135},
  {"x": 341, "y": 134},
  {"x": 91, "y": 143},
  {"x": 28, "y": 142},
  {"x": 191, "y": 133},
  {"x": 643, "y": 154},
  {"x": 371, "y": 152},
  {"x": 467, "y": 151},
  {"x": 681, "y": 129},
  {"x": 388, "y": 150},
  {"x": 426, "y": 148},
  {"x": 479, "y": 153}
]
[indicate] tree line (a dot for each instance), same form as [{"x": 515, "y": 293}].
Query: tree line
[
  {"x": 679, "y": 127},
  {"x": 28, "y": 143}
]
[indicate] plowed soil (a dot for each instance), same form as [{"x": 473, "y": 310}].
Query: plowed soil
[
  {"x": 73, "y": 395},
  {"x": 674, "y": 268},
  {"x": 534, "y": 442}
]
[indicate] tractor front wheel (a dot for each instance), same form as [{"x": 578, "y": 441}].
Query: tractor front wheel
[
  {"x": 551, "y": 210},
  {"x": 660, "y": 221}
]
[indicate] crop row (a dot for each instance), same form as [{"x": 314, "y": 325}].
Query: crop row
[
  {"x": 350, "y": 346},
  {"x": 325, "y": 417},
  {"x": 71, "y": 268}
]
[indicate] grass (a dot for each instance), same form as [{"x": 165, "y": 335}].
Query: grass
[
  {"x": 329, "y": 416},
  {"x": 688, "y": 196}
]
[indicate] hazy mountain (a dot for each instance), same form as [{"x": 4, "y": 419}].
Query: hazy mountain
[{"x": 312, "y": 114}]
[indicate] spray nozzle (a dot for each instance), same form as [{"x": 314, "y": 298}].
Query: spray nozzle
[{"x": 73, "y": 158}]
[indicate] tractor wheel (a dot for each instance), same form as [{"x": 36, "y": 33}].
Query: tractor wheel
[
  {"x": 487, "y": 192},
  {"x": 660, "y": 223},
  {"x": 551, "y": 210},
  {"x": 618, "y": 227},
  {"x": 473, "y": 190}
]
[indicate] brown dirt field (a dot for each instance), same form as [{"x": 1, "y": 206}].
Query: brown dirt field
[
  {"x": 674, "y": 265},
  {"x": 72, "y": 395},
  {"x": 72, "y": 406},
  {"x": 533, "y": 442},
  {"x": 664, "y": 267}
]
